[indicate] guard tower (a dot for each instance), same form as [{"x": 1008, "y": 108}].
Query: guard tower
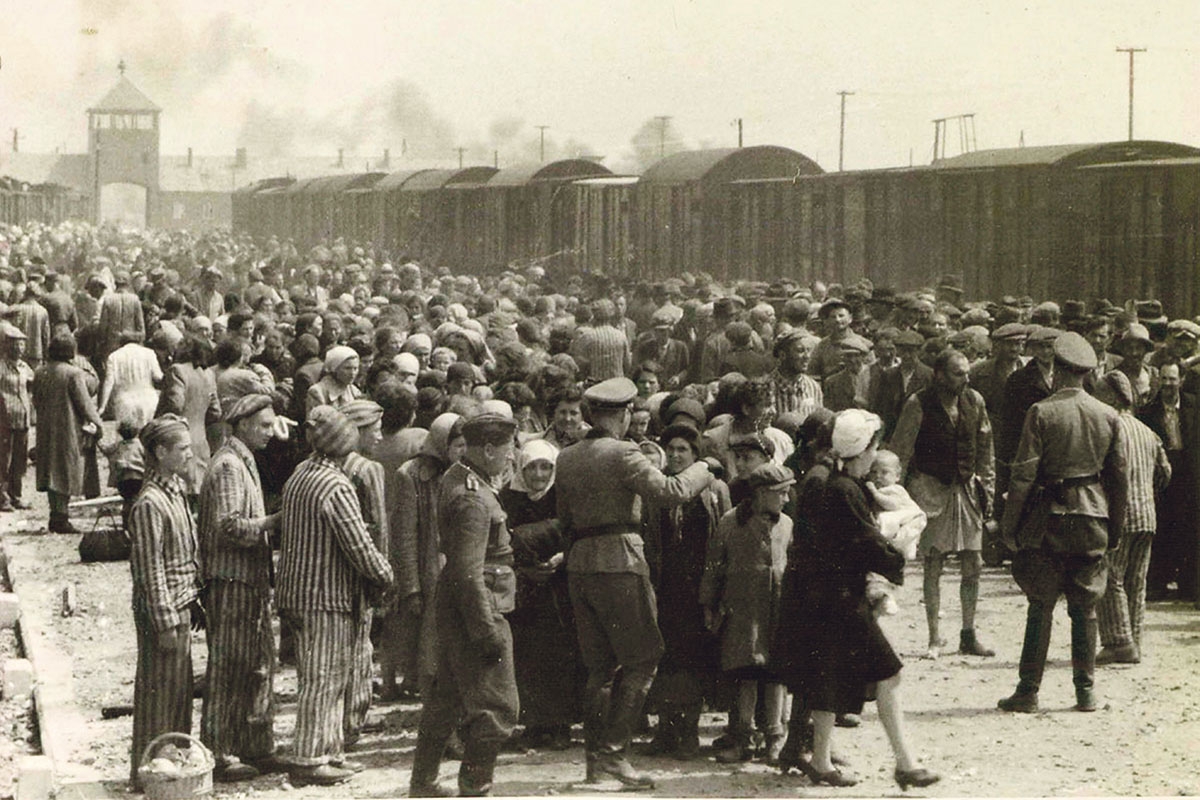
[{"x": 123, "y": 137}]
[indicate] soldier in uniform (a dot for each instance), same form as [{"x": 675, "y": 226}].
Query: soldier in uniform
[
  {"x": 1066, "y": 506},
  {"x": 602, "y": 481},
  {"x": 476, "y": 687}
]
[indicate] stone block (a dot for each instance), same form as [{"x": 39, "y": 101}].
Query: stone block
[
  {"x": 10, "y": 610},
  {"x": 35, "y": 778},
  {"x": 18, "y": 678}
]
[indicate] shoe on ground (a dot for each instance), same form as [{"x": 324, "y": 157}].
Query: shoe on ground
[
  {"x": 847, "y": 721},
  {"x": 429, "y": 790},
  {"x": 1085, "y": 700},
  {"x": 323, "y": 775},
  {"x": 7, "y": 507},
  {"x": 615, "y": 765},
  {"x": 354, "y": 767},
  {"x": 63, "y": 526},
  {"x": 688, "y": 749},
  {"x": 271, "y": 765},
  {"x": 236, "y": 771},
  {"x": 734, "y": 754},
  {"x": 1125, "y": 654},
  {"x": 20, "y": 505},
  {"x": 919, "y": 777},
  {"x": 1019, "y": 703},
  {"x": 969, "y": 645}
]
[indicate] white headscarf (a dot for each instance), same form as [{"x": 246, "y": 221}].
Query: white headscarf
[
  {"x": 853, "y": 430},
  {"x": 534, "y": 450}
]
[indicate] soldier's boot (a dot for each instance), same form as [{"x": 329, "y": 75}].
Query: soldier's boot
[
  {"x": 1033, "y": 660},
  {"x": 599, "y": 703},
  {"x": 478, "y": 768},
  {"x": 666, "y": 736},
  {"x": 625, "y": 713},
  {"x": 687, "y": 735},
  {"x": 1085, "y": 631},
  {"x": 427, "y": 758}
]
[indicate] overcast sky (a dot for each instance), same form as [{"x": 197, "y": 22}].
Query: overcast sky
[{"x": 302, "y": 76}]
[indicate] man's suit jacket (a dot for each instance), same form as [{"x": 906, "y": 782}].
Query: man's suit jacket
[
  {"x": 889, "y": 393},
  {"x": 1023, "y": 388}
]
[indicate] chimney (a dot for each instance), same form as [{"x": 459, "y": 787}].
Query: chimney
[
  {"x": 341, "y": 158},
  {"x": 239, "y": 159},
  {"x": 189, "y": 158},
  {"x": 387, "y": 158}
]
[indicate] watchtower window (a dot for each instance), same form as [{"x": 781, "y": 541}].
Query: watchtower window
[{"x": 144, "y": 122}]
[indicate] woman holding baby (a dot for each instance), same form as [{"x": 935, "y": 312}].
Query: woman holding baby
[{"x": 846, "y": 652}]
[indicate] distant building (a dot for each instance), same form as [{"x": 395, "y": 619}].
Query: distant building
[{"x": 125, "y": 169}]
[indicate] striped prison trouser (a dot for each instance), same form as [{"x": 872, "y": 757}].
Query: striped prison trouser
[
  {"x": 358, "y": 690},
  {"x": 324, "y": 659},
  {"x": 162, "y": 687},
  {"x": 239, "y": 704},
  {"x": 1123, "y": 606}
]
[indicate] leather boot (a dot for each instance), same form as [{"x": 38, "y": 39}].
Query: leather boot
[
  {"x": 1038, "y": 620},
  {"x": 740, "y": 750},
  {"x": 478, "y": 768},
  {"x": 1085, "y": 631},
  {"x": 799, "y": 741},
  {"x": 687, "y": 735},
  {"x": 666, "y": 737},
  {"x": 427, "y": 758}
]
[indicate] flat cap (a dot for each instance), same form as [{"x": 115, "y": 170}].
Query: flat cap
[
  {"x": 831, "y": 305},
  {"x": 909, "y": 338},
  {"x": 1010, "y": 330},
  {"x": 1074, "y": 352},
  {"x": 1044, "y": 333},
  {"x": 770, "y": 476},
  {"x": 247, "y": 406},
  {"x": 612, "y": 393},
  {"x": 362, "y": 412},
  {"x": 1184, "y": 327},
  {"x": 487, "y": 425},
  {"x": 753, "y": 441},
  {"x": 662, "y": 318},
  {"x": 688, "y": 407},
  {"x": 855, "y": 344}
]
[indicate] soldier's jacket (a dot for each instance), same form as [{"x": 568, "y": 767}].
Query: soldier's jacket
[{"x": 478, "y": 579}]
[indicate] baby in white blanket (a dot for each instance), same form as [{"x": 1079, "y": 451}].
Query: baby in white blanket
[{"x": 901, "y": 522}]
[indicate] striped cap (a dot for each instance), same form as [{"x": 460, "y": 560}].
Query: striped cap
[{"x": 330, "y": 432}]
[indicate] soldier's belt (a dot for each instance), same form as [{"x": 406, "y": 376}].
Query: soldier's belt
[{"x": 603, "y": 530}]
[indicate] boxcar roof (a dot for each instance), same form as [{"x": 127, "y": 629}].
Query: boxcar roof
[
  {"x": 727, "y": 164},
  {"x": 339, "y": 183},
  {"x": 437, "y": 178},
  {"x": 395, "y": 180},
  {"x": 1066, "y": 155},
  {"x": 608, "y": 180},
  {"x": 1187, "y": 161},
  {"x": 566, "y": 169}
]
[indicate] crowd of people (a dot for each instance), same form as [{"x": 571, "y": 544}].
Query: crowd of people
[{"x": 534, "y": 499}]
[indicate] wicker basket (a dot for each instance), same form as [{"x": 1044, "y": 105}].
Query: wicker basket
[{"x": 190, "y": 782}]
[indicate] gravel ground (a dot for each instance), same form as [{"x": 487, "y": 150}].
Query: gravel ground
[{"x": 1145, "y": 739}]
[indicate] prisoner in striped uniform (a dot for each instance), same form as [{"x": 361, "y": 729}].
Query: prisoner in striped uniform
[
  {"x": 235, "y": 548},
  {"x": 166, "y": 584},
  {"x": 366, "y": 475},
  {"x": 1123, "y": 606},
  {"x": 327, "y": 564}
]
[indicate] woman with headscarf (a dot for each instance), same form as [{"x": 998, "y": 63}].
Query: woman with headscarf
[
  {"x": 415, "y": 535},
  {"x": 677, "y": 539},
  {"x": 63, "y": 407},
  {"x": 336, "y": 387},
  {"x": 845, "y": 651},
  {"x": 545, "y": 653},
  {"x": 190, "y": 391}
]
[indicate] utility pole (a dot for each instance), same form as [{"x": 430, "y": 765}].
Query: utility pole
[
  {"x": 496, "y": 159},
  {"x": 739, "y": 124},
  {"x": 460, "y": 155},
  {"x": 1131, "y": 51},
  {"x": 542, "y": 144},
  {"x": 662, "y": 135},
  {"x": 842, "y": 129}
]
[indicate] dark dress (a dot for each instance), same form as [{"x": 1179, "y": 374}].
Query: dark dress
[
  {"x": 677, "y": 540},
  {"x": 545, "y": 652},
  {"x": 829, "y": 645}
]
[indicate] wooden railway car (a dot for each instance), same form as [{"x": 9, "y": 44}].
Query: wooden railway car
[
  {"x": 682, "y": 216},
  {"x": 596, "y": 225}
]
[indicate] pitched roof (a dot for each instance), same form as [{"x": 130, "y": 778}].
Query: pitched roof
[{"x": 125, "y": 97}]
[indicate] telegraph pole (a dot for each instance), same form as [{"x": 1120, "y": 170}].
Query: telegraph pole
[
  {"x": 739, "y": 124},
  {"x": 842, "y": 129},
  {"x": 662, "y": 135},
  {"x": 460, "y": 155},
  {"x": 542, "y": 144},
  {"x": 1131, "y": 51}
]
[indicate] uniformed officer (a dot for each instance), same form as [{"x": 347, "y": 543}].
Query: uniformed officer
[
  {"x": 475, "y": 689},
  {"x": 602, "y": 481},
  {"x": 1066, "y": 506}
]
